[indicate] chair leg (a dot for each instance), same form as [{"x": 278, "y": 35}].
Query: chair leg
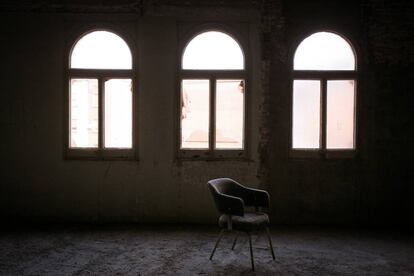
[
  {"x": 234, "y": 242},
  {"x": 270, "y": 242},
  {"x": 251, "y": 250},
  {"x": 217, "y": 242}
]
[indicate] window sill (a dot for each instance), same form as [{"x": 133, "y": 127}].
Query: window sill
[
  {"x": 99, "y": 154},
  {"x": 217, "y": 155},
  {"x": 322, "y": 154}
]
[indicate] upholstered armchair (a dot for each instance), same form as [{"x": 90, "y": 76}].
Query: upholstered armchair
[{"x": 231, "y": 199}]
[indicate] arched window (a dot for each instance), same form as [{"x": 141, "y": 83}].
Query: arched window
[
  {"x": 213, "y": 50},
  {"x": 101, "y": 50},
  {"x": 100, "y": 96},
  {"x": 324, "y": 94},
  {"x": 212, "y": 105}
]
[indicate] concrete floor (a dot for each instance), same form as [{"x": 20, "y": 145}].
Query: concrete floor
[{"x": 184, "y": 250}]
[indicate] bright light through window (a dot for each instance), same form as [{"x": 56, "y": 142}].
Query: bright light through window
[
  {"x": 118, "y": 113},
  {"x": 306, "y": 114},
  {"x": 324, "y": 51},
  {"x": 84, "y": 113},
  {"x": 195, "y": 114},
  {"x": 101, "y": 50},
  {"x": 229, "y": 114},
  {"x": 213, "y": 50},
  {"x": 212, "y": 104},
  {"x": 324, "y": 101},
  {"x": 340, "y": 114},
  {"x": 100, "y": 107}
]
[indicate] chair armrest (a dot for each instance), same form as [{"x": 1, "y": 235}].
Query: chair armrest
[
  {"x": 230, "y": 205},
  {"x": 256, "y": 197}
]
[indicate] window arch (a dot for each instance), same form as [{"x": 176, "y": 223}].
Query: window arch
[
  {"x": 100, "y": 96},
  {"x": 324, "y": 95},
  {"x": 101, "y": 50},
  {"x": 324, "y": 51},
  {"x": 213, "y": 50},
  {"x": 212, "y": 98}
]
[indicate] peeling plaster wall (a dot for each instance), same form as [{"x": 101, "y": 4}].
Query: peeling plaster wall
[
  {"x": 373, "y": 187},
  {"x": 37, "y": 183}
]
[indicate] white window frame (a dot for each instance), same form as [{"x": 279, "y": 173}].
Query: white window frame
[
  {"x": 102, "y": 75},
  {"x": 323, "y": 76},
  {"x": 212, "y": 76}
]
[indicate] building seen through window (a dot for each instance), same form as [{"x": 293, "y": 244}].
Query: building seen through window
[
  {"x": 100, "y": 92},
  {"x": 212, "y": 104}
]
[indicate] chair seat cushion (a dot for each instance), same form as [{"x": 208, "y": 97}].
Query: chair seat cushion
[{"x": 248, "y": 222}]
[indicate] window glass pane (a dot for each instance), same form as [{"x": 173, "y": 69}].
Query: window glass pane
[
  {"x": 324, "y": 51},
  {"x": 229, "y": 114},
  {"x": 118, "y": 113},
  {"x": 101, "y": 50},
  {"x": 213, "y": 50},
  {"x": 306, "y": 114},
  {"x": 194, "y": 114},
  {"x": 83, "y": 113},
  {"x": 340, "y": 114}
]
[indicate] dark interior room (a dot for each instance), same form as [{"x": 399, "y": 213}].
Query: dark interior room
[{"x": 206, "y": 137}]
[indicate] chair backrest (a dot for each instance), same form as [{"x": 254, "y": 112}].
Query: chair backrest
[
  {"x": 227, "y": 186},
  {"x": 227, "y": 195},
  {"x": 231, "y": 197}
]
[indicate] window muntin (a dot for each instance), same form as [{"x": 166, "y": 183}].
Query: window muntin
[
  {"x": 324, "y": 51},
  {"x": 213, "y": 51},
  {"x": 323, "y": 94},
  {"x": 100, "y": 97},
  {"x": 212, "y": 105},
  {"x": 101, "y": 50}
]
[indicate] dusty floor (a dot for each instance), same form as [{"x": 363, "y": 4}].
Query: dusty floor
[{"x": 181, "y": 250}]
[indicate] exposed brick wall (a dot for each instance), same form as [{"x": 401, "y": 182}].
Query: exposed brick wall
[
  {"x": 368, "y": 188},
  {"x": 390, "y": 30},
  {"x": 371, "y": 188},
  {"x": 272, "y": 29},
  {"x": 209, "y": 3},
  {"x": 75, "y": 6}
]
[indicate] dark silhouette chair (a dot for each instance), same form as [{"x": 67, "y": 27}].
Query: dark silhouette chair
[{"x": 231, "y": 198}]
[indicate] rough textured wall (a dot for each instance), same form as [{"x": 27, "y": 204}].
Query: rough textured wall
[
  {"x": 372, "y": 188},
  {"x": 367, "y": 189},
  {"x": 390, "y": 50},
  {"x": 38, "y": 183}
]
